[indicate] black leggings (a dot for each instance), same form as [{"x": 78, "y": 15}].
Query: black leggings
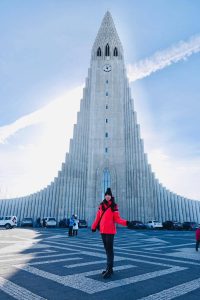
[
  {"x": 108, "y": 241},
  {"x": 70, "y": 230},
  {"x": 197, "y": 244}
]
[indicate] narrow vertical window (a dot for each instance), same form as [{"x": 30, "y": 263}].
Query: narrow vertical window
[
  {"x": 106, "y": 150},
  {"x": 106, "y": 181},
  {"x": 107, "y": 50},
  {"x": 115, "y": 53},
  {"x": 106, "y": 93},
  {"x": 106, "y": 120},
  {"x": 106, "y": 81},
  {"x": 99, "y": 51},
  {"x": 106, "y": 134},
  {"x": 106, "y": 106}
]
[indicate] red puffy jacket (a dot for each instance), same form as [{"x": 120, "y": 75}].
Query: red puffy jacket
[
  {"x": 198, "y": 234},
  {"x": 107, "y": 223}
]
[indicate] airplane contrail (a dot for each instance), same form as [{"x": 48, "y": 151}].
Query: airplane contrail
[{"x": 162, "y": 59}]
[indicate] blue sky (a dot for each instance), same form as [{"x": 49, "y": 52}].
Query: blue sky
[{"x": 44, "y": 58}]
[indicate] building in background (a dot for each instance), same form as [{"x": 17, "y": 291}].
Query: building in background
[{"x": 106, "y": 151}]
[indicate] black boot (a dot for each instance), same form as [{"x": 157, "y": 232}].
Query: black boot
[{"x": 107, "y": 273}]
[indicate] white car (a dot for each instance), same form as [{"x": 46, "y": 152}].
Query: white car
[
  {"x": 50, "y": 222},
  {"x": 154, "y": 225},
  {"x": 8, "y": 222}
]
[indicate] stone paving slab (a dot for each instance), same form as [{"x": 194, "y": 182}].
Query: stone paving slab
[{"x": 37, "y": 264}]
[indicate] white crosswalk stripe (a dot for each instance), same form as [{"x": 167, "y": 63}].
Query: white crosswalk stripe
[
  {"x": 176, "y": 291},
  {"x": 17, "y": 292},
  {"x": 83, "y": 283}
]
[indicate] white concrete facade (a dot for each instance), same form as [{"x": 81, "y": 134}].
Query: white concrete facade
[{"x": 106, "y": 150}]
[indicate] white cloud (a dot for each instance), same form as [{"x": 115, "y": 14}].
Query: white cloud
[
  {"x": 25, "y": 167},
  {"x": 178, "y": 175},
  {"x": 57, "y": 111},
  {"x": 9, "y": 130},
  {"x": 164, "y": 58}
]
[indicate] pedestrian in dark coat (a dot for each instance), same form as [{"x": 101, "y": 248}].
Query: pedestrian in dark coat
[
  {"x": 75, "y": 226},
  {"x": 43, "y": 222},
  {"x": 71, "y": 224},
  {"x": 106, "y": 217}
]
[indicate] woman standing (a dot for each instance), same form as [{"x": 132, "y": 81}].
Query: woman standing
[{"x": 106, "y": 217}]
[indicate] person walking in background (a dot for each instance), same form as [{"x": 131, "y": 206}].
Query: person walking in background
[
  {"x": 197, "y": 238},
  {"x": 75, "y": 226},
  {"x": 106, "y": 217},
  {"x": 43, "y": 222},
  {"x": 71, "y": 224}
]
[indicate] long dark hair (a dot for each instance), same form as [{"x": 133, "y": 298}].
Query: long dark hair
[{"x": 105, "y": 202}]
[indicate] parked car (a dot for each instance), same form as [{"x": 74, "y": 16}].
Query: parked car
[
  {"x": 172, "y": 225},
  {"x": 178, "y": 225},
  {"x": 82, "y": 224},
  {"x": 50, "y": 222},
  {"x": 137, "y": 225},
  {"x": 190, "y": 225},
  {"x": 154, "y": 225},
  {"x": 64, "y": 223},
  {"x": 8, "y": 222},
  {"x": 27, "y": 222},
  {"x": 168, "y": 225}
]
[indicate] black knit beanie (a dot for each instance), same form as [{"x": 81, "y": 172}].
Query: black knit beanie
[{"x": 108, "y": 192}]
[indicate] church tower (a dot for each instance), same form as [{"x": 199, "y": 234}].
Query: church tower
[
  {"x": 106, "y": 148},
  {"x": 106, "y": 151},
  {"x": 116, "y": 154}
]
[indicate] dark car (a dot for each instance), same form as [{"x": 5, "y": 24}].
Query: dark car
[
  {"x": 64, "y": 223},
  {"x": 137, "y": 225},
  {"x": 190, "y": 225},
  {"x": 168, "y": 225},
  {"x": 178, "y": 226},
  {"x": 172, "y": 225},
  {"x": 27, "y": 222},
  {"x": 82, "y": 224}
]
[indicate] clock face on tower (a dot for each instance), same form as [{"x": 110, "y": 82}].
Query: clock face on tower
[{"x": 107, "y": 68}]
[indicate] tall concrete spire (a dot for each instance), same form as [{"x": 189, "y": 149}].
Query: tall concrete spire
[{"x": 107, "y": 34}]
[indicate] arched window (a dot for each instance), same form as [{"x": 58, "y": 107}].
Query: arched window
[
  {"x": 106, "y": 181},
  {"x": 99, "y": 51},
  {"x": 107, "y": 50},
  {"x": 115, "y": 53}
]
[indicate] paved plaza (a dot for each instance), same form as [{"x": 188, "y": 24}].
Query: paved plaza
[{"x": 47, "y": 264}]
